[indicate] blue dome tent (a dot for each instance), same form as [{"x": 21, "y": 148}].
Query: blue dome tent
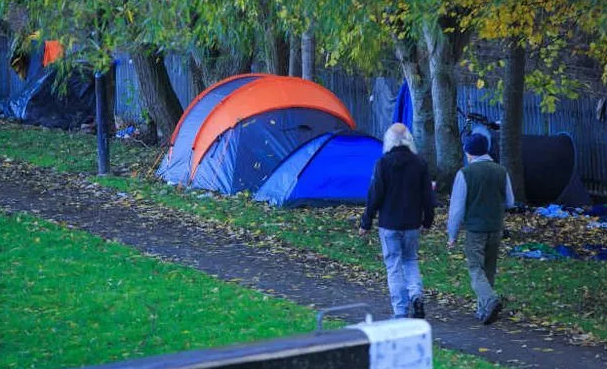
[
  {"x": 236, "y": 132},
  {"x": 334, "y": 168}
]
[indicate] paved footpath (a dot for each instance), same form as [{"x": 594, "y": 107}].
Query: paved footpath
[{"x": 296, "y": 275}]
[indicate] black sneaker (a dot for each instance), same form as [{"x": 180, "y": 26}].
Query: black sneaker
[
  {"x": 493, "y": 311},
  {"x": 418, "y": 309}
]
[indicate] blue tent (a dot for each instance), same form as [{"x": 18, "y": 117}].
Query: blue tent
[
  {"x": 331, "y": 169},
  {"x": 236, "y": 132}
]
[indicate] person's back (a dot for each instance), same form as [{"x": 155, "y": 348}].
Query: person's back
[
  {"x": 404, "y": 199},
  {"x": 486, "y": 196},
  {"x": 401, "y": 191},
  {"x": 481, "y": 192}
]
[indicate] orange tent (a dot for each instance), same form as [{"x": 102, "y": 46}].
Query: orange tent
[{"x": 253, "y": 118}]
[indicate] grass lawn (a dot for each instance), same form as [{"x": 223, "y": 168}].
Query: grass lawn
[
  {"x": 70, "y": 299},
  {"x": 569, "y": 292},
  {"x": 565, "y": 292}
]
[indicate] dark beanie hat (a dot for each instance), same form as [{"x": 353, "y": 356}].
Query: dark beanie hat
[{"x": 476, "y": 144}]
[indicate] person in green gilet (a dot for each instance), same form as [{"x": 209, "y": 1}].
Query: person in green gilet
[{"x": 481, "y": 192}]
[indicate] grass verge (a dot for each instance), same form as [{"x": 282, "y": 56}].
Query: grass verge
[
  {"x": 567, "y": 292},
  {"x": 69, "y": 299}
]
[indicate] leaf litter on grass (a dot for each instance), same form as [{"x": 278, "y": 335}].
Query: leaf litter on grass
[{"x": 328, "y": 237}]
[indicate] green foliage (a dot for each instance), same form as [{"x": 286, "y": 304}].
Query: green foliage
[
  {"x": 3, "y": 9},
  {"x": 548, "y": 30},
  {"x": 550, "y": 87}
]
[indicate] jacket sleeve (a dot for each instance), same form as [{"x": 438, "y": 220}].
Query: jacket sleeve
[
  {"x": 457, "y": 207},
  {"x": 509, "y": 193},
  {"x": 375, "y": 197},
  {"x": 428, "y": 199}
]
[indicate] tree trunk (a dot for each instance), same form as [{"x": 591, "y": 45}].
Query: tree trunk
[
  {"x": 197, "y": 74},
  {"x": 219, "y": 63},
  {"x": 277, "y": 52},
  {"x": 156, "y": 91},
  {"x": 276, "y": 47},
  {"x": 308, "y": 53},
  {"x": 449, "y": 156},
  {"x": 511, "y": 143},
  {"x": 295, "y": 56},
  {"x": 417, "y": 75}
]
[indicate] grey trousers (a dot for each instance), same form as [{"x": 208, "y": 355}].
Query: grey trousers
[{"x": 481, "y": 249}]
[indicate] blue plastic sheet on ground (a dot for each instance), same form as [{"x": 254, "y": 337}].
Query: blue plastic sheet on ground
[
  {"x": 557, "y": 211},
  {"x": 544, "y": 252},
  {"x": 600, "y": 251},
  {"x": 597, "y": 225},
  {"x": 536, "y": 251},
  {"x": 126, "y": 132},
  {"x": 599, "y": 211}
]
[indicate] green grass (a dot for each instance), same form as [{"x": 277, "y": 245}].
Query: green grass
[
  {"x": 566, "y": 292},
  {"x": 446, "y": 359},
  {"x": 69, "y": 152},
  {"x": 69, "y": 299}
]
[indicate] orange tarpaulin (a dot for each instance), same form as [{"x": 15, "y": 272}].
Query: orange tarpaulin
[{"x": 52, "y": 51}]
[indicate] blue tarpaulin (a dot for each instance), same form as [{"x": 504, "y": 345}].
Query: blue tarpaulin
[
  {"x": 544, "y": 252},
  {"x": 403, "y": 109}
]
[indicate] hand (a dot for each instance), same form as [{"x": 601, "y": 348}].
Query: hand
[
  {"x": 450, "y": 244},
  {"x": 362, "y": 231}
]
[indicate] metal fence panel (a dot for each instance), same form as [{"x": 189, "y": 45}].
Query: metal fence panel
[
  {"x": 129, "y": 106},
  {"x": 4, "y": 67},
  {"x": 574, "y": 117}
]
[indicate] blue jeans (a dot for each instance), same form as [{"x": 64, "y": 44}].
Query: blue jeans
[{"x": 400, "y": 256}]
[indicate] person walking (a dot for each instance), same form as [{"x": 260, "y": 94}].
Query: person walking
[
  {"x": 401, "y": 191},
  {"x": 481, "y": 192}
]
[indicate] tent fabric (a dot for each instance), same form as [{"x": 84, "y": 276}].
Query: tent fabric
[
  {"x": 550, "y": 168},
  {"x": 403, "y": 109},
  {"x": 52, "y": 51},
  {"x": 262, "y": 95},
  {"x": 176, "y": 166},
  {"x": 235, "y": 133},
  {"x": 383, "y": 102},
  {"x": 277, "y": 189},
  {"x": 246, "y": 155},
  {"x": 220, "y": 89},
  {"x": 334, "y": 168},
  {"x": 551, "y": 171},
  {"x": 35, "y": 101}
]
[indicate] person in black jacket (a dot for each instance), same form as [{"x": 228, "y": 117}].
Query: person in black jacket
[{"x": 402, "y": 193}]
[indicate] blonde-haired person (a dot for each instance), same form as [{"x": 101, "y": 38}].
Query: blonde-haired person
[{"x": 402, "y": 193}]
